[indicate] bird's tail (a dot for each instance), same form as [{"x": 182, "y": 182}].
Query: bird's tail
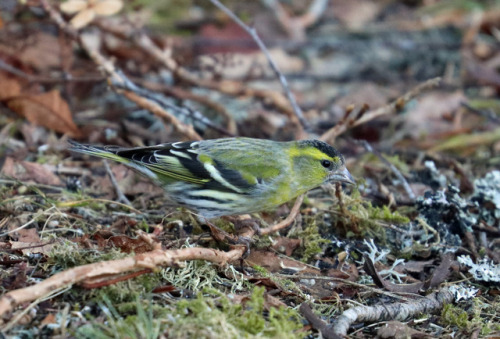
[{"x": 106, "y": 152}]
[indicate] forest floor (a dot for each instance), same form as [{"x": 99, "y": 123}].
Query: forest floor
[{"x": 406, "y": 90}]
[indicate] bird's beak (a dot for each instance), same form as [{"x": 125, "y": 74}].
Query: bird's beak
[{"x": 343, "y": 176}]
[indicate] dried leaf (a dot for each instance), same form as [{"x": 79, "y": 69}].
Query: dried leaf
[
  {"x": 286, "y": 245},
  {"x": 129, "y": 245},
  {"x": 108, "y": 7},
  {"x": 377, "y": 279},
  {"x": 30, "y": 171},
  {"x": 73, "y": 6},
  {"x": 398, "y": 330},
  {"x": 28, "y": 235},
  {"x": 32, "y": 247},
  {"x": 9, "y": 87},
  {"x": 48, "y": 110},
  {"x": 43, "y": 52},
  {"x": 83, "y": 18},
  {"x": 442, "y": 271},
  {"x": 49, "y": 319},
  {"x": 428, "y": 117}
]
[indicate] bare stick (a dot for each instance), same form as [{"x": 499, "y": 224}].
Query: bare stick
[
  {"x": 317, "y": 323},
  {"x": 288, "y": 220},
  {"x": 116, "y": 77},
  {"x": 229, "y": 87},
  {"x": 394, "y": 311},
  {"x": 284, "y": 83},
  {"x": 391, "y": 108},
  {"x": 393, "y": 168},
  {"x": 79, "y": 274},
  {"x": 121, "y": 197}
]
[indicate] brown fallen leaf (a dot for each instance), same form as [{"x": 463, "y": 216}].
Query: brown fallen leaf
[
  {"x": 428, "y": 117},
  {"x": 43, "y": 52},
  {"x": 17, "y": 278},
  {"x": 46, "y": 109},
  {"x": 286, "y": 245},
  {"x": 30, "y": 171},
  {"x": 28, "y": 235},
  {"x": 49, "y": 319},
  {"x": 9, "y": 87},
  {"x": 129, "y": 245},
  {"x": 370, "y": 269},
  {"x": 398, "y": 330},
  {"x": 275, "y": 263},
  {"x": 32, "y": 247}
]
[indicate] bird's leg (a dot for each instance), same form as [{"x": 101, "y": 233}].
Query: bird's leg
[
  {"x": 241, "y": 239},
  {"x": 243, "y": 222}
]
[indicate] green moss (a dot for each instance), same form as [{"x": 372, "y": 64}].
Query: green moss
[
  {"x": 472, "y": 317},
  {"x": 385, "y": 214},
  {"x": 220, "y": 318},
  {"x": 313, "y": 242},
  {"x": 214, "y": 316},
  {"x": 224, "y": 225},
  {"x": 284, "y": 284},
  {"x": 360, "y": 218},
  {"x": 143, "y": 323},
  {"x": 454, "y": 316}
]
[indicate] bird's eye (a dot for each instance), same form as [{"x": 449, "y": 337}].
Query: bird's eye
[{"x": 326, "y": 164}]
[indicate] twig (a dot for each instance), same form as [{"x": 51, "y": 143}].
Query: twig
[
  {"x": 183, "y": 94},
  {"x": 348, "y": 282},
  {"x": 317, "y": 322},
  {"x": 393, "y": 311},
  {"x": 33, "y": 219},
  {"x": 121, "y": 197},
  {"x": 115, "y": 77},
  {"x": 296, "y": 26},
  {"x": 287, "y": 221},
  {"x": 21, "y": 314},
  {"x": 229, "y": 87},
  {"x": 284, "y": 83},
  {"x": 126, "y": 84},
  {"x": 154, "y": 108},
  {"x": 47, "y": 79},
  {"x": 488, "y": 114},
  {"x": 338, "y": 194},
  {"x": 393, "y": 168},
  {"x": 391, "y": 108},
  {"x": 79, "y": 274}
]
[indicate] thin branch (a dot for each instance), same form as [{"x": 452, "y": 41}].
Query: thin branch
[
  {"x": 151, "y": 260},
  {"x": 287, "y": 221},
  {"x": 229, "y": 87},
  {"x": 66, "y": 77},
  {"x": 393, "y": 168},
  {"x": 317, "y": 322},
  {"x": 126, "y": 84},
  {"x": 115, "y": 77},
  {"x": 394, "y": 311},
  {"x": 120, "y": 196},
  {"x": 284, "y": 83},
  {"x": 391, "y": 108}
]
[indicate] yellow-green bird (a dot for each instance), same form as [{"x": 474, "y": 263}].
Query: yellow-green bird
[{"x": 232, "y": 175}]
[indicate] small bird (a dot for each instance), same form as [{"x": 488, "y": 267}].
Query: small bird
[{"x": 231, "y": 176}]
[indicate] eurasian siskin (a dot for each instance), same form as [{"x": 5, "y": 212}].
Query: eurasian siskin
[{"x": 233, "y": 175}]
